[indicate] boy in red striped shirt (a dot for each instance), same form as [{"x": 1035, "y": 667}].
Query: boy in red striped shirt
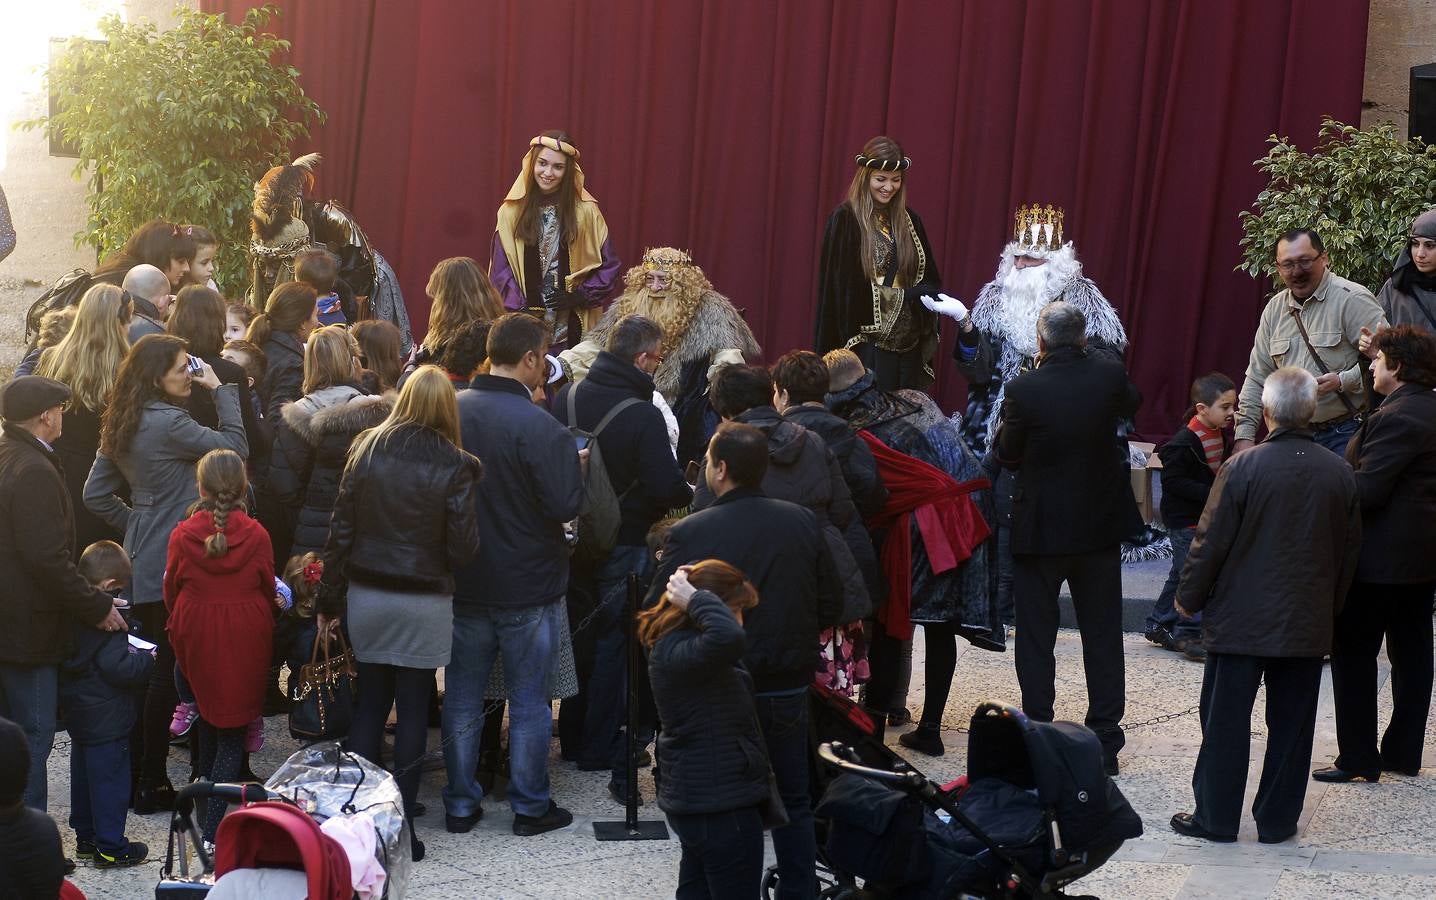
[{"x": 1190, "y": 461}]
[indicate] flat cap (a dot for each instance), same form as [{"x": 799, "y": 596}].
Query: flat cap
[{"x": 26, "y": 397}]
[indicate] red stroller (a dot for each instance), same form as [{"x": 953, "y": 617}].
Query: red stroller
[{"x": 269, "y": 847}]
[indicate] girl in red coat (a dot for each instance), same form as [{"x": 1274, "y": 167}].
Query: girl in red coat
[{"x": 219, "y": 587}]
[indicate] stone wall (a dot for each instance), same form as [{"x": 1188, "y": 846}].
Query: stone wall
[
  {"x": 46, "y": 203},
  {"x": 1400, "y": 34}
]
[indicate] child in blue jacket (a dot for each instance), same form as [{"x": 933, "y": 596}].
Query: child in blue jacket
[{"x": 97, "y": 693}]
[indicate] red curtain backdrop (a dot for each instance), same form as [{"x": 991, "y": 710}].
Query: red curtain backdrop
[{"x": 728, "y": 127}]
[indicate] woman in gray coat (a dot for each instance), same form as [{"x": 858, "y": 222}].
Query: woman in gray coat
[{"x": 149, "y": 443}]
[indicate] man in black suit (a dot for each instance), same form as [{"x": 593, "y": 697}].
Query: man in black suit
[
  {"x": 779, "y": 547},
  {"x": 1072, "y": 507}
]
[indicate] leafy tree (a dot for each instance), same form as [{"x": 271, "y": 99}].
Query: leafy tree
[
  {"x": 178, "y": 125},
  {"x": 1360, "y": 189}
]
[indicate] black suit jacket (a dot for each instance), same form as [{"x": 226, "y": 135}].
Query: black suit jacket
[
  {"x": 1394, "y": 455},
  {"x": 778, "y": 547},
  {"x": 1059, "y": 431}
]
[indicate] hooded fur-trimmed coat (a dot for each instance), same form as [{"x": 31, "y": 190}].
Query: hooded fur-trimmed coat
[{"x": 311, "y": 444}]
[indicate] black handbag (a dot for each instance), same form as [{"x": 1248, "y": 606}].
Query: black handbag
[{"x": 321, "y": 693}]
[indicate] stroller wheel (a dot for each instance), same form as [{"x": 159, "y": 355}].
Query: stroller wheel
[{"x": 770, "y": 883}]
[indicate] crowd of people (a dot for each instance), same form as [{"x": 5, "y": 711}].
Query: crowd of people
[{"x": 195, "y": 489}]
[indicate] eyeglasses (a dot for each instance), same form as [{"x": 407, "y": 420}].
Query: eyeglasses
[
  {"x": 127, "y": 304},
  {"x": 1297, "y": 265}
]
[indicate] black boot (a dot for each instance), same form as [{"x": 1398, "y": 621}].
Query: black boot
[{"x": 924, "y": 739}]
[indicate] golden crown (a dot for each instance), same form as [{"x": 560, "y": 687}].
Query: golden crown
[
  {"x": 1038, "y": 227},
  {"x": 665, "y": 258}
]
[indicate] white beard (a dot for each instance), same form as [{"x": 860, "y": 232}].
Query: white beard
[{"x": 1026, "y": 291}]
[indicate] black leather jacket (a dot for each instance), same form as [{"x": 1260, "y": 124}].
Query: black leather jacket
[{"x": 404, "y": 517}]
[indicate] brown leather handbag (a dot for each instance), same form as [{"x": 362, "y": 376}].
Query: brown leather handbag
[{"x": 321, "y": 693}]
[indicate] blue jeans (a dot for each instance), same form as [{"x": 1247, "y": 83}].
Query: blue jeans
[
  {"x": 527, "y": 640},
  {"x": 100, "y": 793},
  {"x": 722, "y": 854},
  {"x": 28, "y": 695},
  {"x": 606, "y": 695},
  {"x": 1336, "y": 439},
  {"x": 784, "y": 720},
  {"x": 1164, "y": 613}
]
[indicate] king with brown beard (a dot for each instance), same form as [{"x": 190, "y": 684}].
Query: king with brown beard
[{"x": 701, "y": 328}]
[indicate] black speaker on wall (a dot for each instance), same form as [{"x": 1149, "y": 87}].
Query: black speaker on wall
[{"x": 1422, "y": 123}]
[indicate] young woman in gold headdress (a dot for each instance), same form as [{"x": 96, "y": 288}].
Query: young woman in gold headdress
[
  {"x": 551, "y": 254},
  {"x": 876, "y": 265}
]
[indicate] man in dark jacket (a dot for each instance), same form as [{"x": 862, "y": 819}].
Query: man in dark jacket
[
  {"x": 780, "y": 548},
  {"x": 150, "y": 293},
  {"x": 1072, "y": 506},
  {"x": 44, "y": 593},
  {"x": 1275, "y": 552},
  {"x": 646, "y": 477},
  {"x": 506, "y": 600},
  {"x": 801, "y": 470}
]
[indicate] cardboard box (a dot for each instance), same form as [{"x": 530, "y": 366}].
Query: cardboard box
[{"x": 1142, "y": 481}]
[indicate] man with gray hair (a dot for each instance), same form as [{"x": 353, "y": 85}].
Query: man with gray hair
[
  {"x": 1072, "y": 506},
  {"x": 1273, "y": 556},
  {"x": 150, "y": 290}
]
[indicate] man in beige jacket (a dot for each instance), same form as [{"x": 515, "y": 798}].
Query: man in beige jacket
[{"x": 1314, "y": 324}]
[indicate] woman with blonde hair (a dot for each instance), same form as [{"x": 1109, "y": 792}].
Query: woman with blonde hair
[
  {"x": 711, "y": 750},
  {"x": 403, "y": 520},
  {"x": 876, "y": 266},
  {"x": 313, "y": 435},
  {"x": 461, "y": 295},
  {"x": 86, "y": 359}
]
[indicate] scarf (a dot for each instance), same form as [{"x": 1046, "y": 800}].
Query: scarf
[
  {"x": 585, "y": 254},
  {"x": 1406, "y": 276},
  {"x": 949, "y": 522}
]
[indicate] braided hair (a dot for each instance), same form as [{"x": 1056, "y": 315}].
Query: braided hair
[{"x": 222, "y": 487}]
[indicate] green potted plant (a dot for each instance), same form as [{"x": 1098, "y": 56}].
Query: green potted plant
[
  {"x": 1359, "y": 188},
  {"x": 178, "y": 125}
]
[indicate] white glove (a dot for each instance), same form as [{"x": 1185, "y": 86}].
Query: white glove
[{"x": 947, "y": 306}]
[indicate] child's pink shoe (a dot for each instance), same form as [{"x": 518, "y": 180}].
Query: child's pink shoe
[
  {"x": 183, "y": 719},
  {"x": 254, "y": 736}
]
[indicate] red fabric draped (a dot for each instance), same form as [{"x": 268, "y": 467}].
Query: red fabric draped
[
  {"x": 949, "y": 522},
  {"x": 728, "y": 127}
]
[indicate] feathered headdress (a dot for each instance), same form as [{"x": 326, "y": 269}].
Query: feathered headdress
[{"x": 279, "y": 196}]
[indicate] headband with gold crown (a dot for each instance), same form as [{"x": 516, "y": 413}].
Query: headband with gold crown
[
  {"x": 665, "y": 258},
  {"x": 1038, "y": 228}
]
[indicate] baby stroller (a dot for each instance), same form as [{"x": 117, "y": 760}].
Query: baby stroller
[
  {"x": 1035, "y": 812},
  {"x": 268, "y": 848},
  {"x": 275, "y": 847},
  {"x": 835, "y": 718}
]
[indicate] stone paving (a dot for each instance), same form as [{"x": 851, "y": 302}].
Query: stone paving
[{"x": 1355, "y": 840}]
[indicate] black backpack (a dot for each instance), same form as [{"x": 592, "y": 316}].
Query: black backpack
[
  {"x": 599, "y": 517},
  {"x": 65, "y": 292}
]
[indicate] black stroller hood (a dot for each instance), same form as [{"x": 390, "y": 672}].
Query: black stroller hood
[{"x": 1062, "y": 761}]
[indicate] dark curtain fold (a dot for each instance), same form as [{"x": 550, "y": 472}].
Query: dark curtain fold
[{"x": 728, "y": 127}]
